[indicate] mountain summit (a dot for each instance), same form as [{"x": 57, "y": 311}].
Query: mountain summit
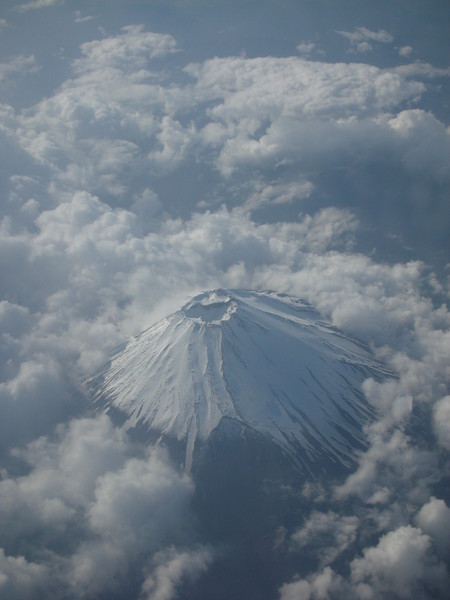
[{"x": 268, "y": 362}]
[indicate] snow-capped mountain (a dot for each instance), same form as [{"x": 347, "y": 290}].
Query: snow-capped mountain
[{"x": 268, "y": 362}]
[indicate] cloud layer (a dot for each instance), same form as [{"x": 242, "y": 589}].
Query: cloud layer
[{"x": 141, "y": 180}]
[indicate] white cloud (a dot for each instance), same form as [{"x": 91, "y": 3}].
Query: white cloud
[
  {"x": 427, "y": 145},
  {"x": 361, "y": 37},
  {"x": 298, "y": 590},
  {"x": 106, "y": 125},
  {"x": 90, "y": 509},
  {"x": 434, "y": 519},
  {"x": 441, "y": 419},
  {"x": 306, "y": 47},
  {"x": 147, "y": 207},
  {"x": 175, "y": 142},
  {"x": 278, "y": 193},
  {"x": 405, "y": 51},
  {"x": 120, "y": 119},
  {"x": 14, "y": 319},
  {"x": 62, "y": 480},
  {"x": 17, "y": 65},
  {"x": 171, "y": 568},
  {"x": 94, "y": 254},
  {"x": 80, "y": 19},
  {"x": 133, "y": 48},
  {"x": 36, "y": 4},
  {"x": 321, "y": 586},
  {"x": 39, "y": 389},
  {"x": 295, "y": 87},
  {"x": 398, "y": 566},
  {"x": 326, "y": 535},
  {"x": 18, "y": 578},
  {"x": 276, "y": 111},
  {"x": 143, "y": 501},
  {"x": 422, "y": 69},
  {"x": 101, "y": 278}
]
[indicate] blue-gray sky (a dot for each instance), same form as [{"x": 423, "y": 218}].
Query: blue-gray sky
[{"x": 153, "y": 149}]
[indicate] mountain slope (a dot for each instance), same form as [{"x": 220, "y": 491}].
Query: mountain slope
[{"x": 266, "y": 361}]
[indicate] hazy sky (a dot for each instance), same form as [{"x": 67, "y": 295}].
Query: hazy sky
[{"x": 153, "y": 149}]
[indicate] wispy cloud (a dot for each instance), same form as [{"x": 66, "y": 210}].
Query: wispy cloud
[
  {"x": 360, "y": 38},
  {"x": 80, "y": 19},
  {"x": 17, "y": 65},
  {"x": 36, "y": 4}
]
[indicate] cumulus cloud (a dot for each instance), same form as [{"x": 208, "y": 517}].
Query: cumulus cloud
[
  {"x": 19, "y": 578},
  {"x": 405, "y": 51},
  {"x": 434, "y": 519},
  {"x": 398, "y": 565},
  {"x": 442, "y": 421},
  {"x": 95, "y": 133},
  {"x": 427, "y": 142},
  {"x": 92, "y": 509},
  {"x": 296, "y": 87},
  {"x": 289, "y": 113},
  {"x": 322, "y": 586},
  {"x": 133, "y": 48},
  {"x": 122, "y": 123}
]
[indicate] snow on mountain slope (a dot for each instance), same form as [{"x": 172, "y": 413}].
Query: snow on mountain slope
[{"x": 267, "y": 361}]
